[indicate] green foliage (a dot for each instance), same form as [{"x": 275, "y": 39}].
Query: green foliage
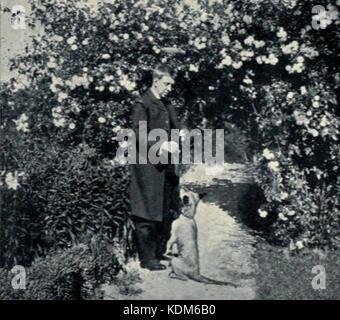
[
  {"x": 238, "y": 63},
  {"x": 72, "y": 274}
]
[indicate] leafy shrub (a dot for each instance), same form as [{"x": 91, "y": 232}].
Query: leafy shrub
[
  {"x": 73, "y": 273},
  {"x": 58, "y": 201},
  {"x": 236, "y": 62}
]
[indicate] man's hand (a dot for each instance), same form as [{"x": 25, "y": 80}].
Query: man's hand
[{"x": 169, "y": 146}]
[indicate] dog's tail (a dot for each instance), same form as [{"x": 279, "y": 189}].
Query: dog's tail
[{"x": 207, "y": 280}]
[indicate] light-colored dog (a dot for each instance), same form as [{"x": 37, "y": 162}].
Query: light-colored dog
[{"x": 184, "y": 234}]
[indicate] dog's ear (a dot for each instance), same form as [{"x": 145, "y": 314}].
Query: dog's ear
[{"x": 202, "y": 195}]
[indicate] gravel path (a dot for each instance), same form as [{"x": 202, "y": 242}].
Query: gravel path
[{"x": 226, "y": 252}]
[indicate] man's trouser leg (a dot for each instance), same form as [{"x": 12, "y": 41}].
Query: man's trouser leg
[
  {"x": 146, "y": 235},
  {"x": 170, "y": 205}
]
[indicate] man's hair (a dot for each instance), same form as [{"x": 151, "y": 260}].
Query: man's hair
[{"x": 161, "y": 70}]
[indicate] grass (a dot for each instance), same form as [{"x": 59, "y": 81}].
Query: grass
[{"x": 286, "y": 277}]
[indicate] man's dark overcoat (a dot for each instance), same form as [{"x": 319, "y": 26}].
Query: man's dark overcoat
[{"x": 147, "y": 180}]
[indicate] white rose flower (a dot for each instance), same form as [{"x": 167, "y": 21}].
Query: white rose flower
[
  {"x": 299, "y": 244},
  {"x": 317, "y": 98},
  {"x": 72, "y": 126},
  {"x": 267, "y": 154},
  {"x": 290, "y": 95},
  {"x": 101, "y": 120},
  {"x": 193, "y": 68},
  {"x": 247, "y": 19},
  {"x": 262, "y": 213},
  {"x": 300, "y": 59},
  {"x": 62, "y": 96},
  {"x": 106, "y": 56},
  {"x": 156, "y": 49},
  {"x": 273, "y": 165},
  {"x": 282, "y": 33},
  {"x": 249, "y": 40},
  {"x": 71, "y": 40},
  {"x": 303, "y": 90},
  {"x": 282, "y": 217},
  {"x": 313, "y": 132},
  {"x": 323, "y": 122},
  {"x": 291, "y": 213},
  {"x": 12, "y": 180},
  {"x": 163, "y": 25},
  {"x": 85, "y": 42},
  {"x": 74, "y": 47},
  {"x": 59, "y": 122},
  {"x": 247, "y": 81},
  {"x": 259, "y": 60},
  {"x": 259, "y": 44},
  {"x": 113, "y": 37},
  {"x": 237, "y": 65},
  {"x": 126, "y": 36},
  {"x": 225, "y": 39},
  {"x": 116, "y": 129},
  {"x": 316, "y": 104},
  {"x": 227, "y": 61},
  {"x": 325, "y": 132},
  {"x": 284, "y": 195}
]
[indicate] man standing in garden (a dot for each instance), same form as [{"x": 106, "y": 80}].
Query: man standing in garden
[{"x": 154, "y": 188}]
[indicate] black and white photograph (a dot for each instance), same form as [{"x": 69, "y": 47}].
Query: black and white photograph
[{"x": 169, "y": 150}]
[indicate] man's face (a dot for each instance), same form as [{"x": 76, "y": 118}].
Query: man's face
[{"x": 164, "y": 85}]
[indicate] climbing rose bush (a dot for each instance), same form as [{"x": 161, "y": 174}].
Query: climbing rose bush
[{"x": 258, "y": 65}]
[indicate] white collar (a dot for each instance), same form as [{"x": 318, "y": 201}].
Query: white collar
[{"x": 155, "y": 94}]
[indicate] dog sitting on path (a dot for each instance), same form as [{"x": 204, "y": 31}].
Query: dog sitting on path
[{"x": 184, "y": 234}]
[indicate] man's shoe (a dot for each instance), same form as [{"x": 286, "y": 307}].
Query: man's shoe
[{"x": 153, "y": 266}]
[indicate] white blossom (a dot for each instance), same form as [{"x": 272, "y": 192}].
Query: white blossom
[
  {"x": 249, "y": 40},
  {"x": 290, "y": 95},
  {"x": 273, "y": 165},
  {"x": 299, "y": 244},
  {"x": 282, "y": 217},
  {"x": 262, "y": 213},
  {"x": 303, "y": 90},
  {"x": 193, "y": 68},
  {"x": 313, "y": 132},
  {"x": 106, "y": 56},
  {"x": 71, "y": 40},
  {"x": 268, "y": 154},
  {"x": 12, "y": 180}
]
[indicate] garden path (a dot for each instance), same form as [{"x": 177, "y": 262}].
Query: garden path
[{"x": 226, "y": 247}]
